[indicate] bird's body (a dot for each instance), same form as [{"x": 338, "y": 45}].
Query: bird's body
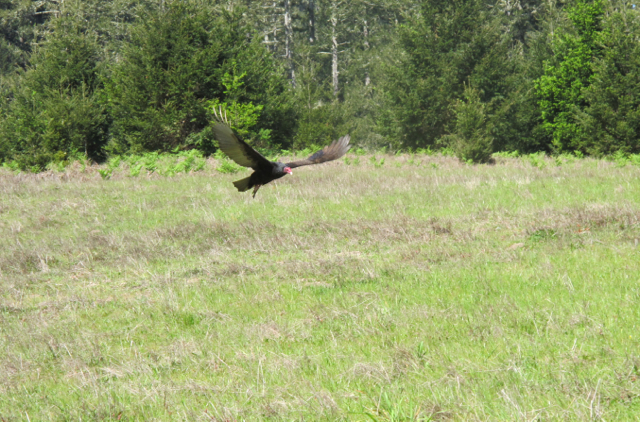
[
  {"x": 261, "y": 177},
  {"x": 266, "y": 171}
]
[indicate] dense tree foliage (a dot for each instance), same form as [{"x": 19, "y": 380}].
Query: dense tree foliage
[
  {"x": 95, "y": 78},
  {"x": 562, "y": 87},
  {"x": 611, "y": 117},
  {"x": 451, "y": 43},
  {"x": 174, "y": 63},
  {"x": 55, "y": 109}
]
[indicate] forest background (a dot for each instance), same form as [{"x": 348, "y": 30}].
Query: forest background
[{"x": 95, "y": 78}]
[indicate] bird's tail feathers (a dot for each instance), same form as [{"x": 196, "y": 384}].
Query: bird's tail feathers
[{"x": 243, "y": 184}]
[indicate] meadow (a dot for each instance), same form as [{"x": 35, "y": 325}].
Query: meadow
[{"x": 378, "y": 288}]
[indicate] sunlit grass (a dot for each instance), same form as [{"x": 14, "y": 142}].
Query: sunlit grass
[{"x": 409, "y": 287}]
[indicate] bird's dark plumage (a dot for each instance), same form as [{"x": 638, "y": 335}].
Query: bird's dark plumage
[
  {"x": 331, "y": 152},
  {"x": 265, "y": 170}
]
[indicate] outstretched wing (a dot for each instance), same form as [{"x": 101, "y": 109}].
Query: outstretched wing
[
  {"x": 237, "y": 149},
  {"x": 331, "y": 152}
]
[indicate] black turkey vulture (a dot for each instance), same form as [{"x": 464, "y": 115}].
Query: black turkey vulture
[{"x": 265, "y": 170}]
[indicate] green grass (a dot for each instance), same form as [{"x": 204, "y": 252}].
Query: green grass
[{"x": 408, "y": 287}]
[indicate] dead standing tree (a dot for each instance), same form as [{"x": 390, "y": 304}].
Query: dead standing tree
[
  {"x": 311, "y": 12},
  {"x": 337, "y": 18},
  {"x": 288, "y": 43},
  {"x": 276, "y": 19}
]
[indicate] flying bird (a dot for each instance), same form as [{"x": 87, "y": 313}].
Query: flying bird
[{"x": 264, "y": 170}]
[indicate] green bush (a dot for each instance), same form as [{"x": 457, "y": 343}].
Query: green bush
[
  {"x": 471, "y": 141},
  {"x": 228, "y": 167}
]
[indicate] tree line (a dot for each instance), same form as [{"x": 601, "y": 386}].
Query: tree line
[{"x": 98, "y": 77}]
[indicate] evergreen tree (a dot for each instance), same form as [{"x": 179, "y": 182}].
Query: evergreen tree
[
  {"x": 471, "y": 139},
  {"x": 174, "y": 64},
  {"x": 610, "y": 122},
  {"x": 22, "y": 23},
  {"x": 450, "y": 44},
  {"x": 364, "y": 57},
  {"x": 54, "y": 109},
  {"x": 562, "y": 87},
  {"x": 523, "y": 75}
]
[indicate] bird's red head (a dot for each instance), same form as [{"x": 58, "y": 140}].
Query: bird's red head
[{"x": 288, "y": 170}]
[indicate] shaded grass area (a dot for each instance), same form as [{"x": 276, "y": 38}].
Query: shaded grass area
[{"x": 416, "y": 289}]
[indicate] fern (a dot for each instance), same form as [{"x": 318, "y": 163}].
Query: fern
[{"x": 228, "y": 167}]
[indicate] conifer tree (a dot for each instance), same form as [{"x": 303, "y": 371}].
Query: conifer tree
[
  {"x": 55, "y": 110},
  {"x": 562, "y": 87},
  {"x": 174, "y": 64}
]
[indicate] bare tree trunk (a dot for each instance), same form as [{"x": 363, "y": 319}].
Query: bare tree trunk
[
  {"x": 365, "y": 32},
  {"x": 269, "y": 20},
  {"x": 275, "y": 28},
  {"x": 287, "y": 30},
  {"x": 312, "y": 21},
  {"x": 288, "y": 42},
  {"x": 334, "y": 62},
  {"x": 334, "y": 49}
]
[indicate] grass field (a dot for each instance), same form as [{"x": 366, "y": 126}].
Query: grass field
[{"x": 417, "y": 288}]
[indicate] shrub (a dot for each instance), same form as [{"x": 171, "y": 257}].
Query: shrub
[
  {"x": 228, "y": 167},
  {"x": 471, "y": 141}
]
